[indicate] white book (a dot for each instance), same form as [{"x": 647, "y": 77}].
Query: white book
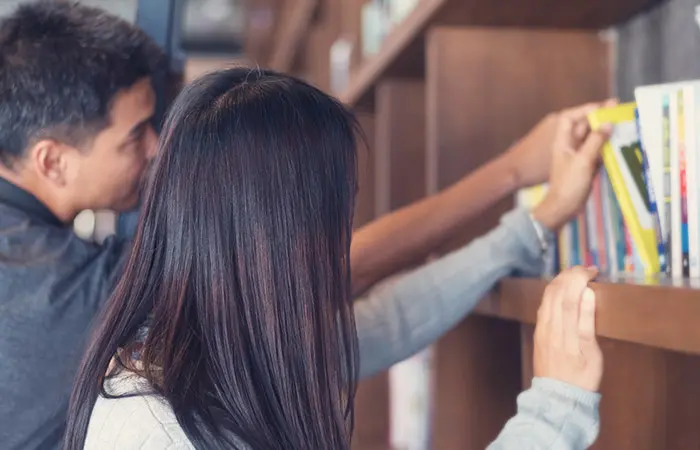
[
  {"x": 691, "y": 158},
  {"x": 651, "y": 120},
  {"x": 675, "y": 191},
  {"x": 694, "y": 212},
  {"x": 410, "y": 402}
]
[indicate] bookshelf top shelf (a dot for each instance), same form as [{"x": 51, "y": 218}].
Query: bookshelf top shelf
[
  {"x": 402, "y": 54},
  {"x": 659, "y": 315}
]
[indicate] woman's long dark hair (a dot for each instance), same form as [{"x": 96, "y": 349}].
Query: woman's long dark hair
[{"x": 241, "y": 259}]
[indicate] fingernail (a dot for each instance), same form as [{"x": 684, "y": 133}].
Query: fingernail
[{"x": 588, "y": 297}]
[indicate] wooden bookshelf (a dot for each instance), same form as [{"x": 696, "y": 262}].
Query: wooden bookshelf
[
  {"x": 453, "y": 86},
  {"x": 650, "y": 313},
  {"x": 277, "y": 44},
  {"x": 292, "y": 31},
  {"x": 403, "y": 52}
]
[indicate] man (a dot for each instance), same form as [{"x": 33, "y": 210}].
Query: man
[{"x": 75, "y": 105}]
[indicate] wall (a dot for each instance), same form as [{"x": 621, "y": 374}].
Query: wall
[{"x": 659, "y": 46}]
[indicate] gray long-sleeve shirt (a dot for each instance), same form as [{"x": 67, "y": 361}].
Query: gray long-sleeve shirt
[{"x": 52, "y": 284}]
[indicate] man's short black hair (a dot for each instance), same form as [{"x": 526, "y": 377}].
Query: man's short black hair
[{"x": 61, "y": 65}]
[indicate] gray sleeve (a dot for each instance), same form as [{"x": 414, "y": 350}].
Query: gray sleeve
[
  {"x": 401, "y": 317},
  {"x": 552, "y": 415}
]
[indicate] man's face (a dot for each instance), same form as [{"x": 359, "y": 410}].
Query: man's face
[{"x": 110, "y": 174}]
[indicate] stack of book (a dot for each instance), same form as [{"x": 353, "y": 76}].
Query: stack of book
[{"x": 643, "y": 215}]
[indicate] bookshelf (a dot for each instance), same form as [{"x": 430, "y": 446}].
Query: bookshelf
[
  {"x": 293, "y": 26},
  {"x": 402, "y": 54},
  {"x": 655, "y": 313},
  {"x": 280, "y": 31},
  {"x": 452, "y": 86}
]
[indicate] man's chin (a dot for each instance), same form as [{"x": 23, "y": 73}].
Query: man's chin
[{"x": 129, "y": 205}]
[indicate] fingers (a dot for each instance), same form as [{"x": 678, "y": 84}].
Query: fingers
[
  {"x": 558, "y": 317},
  {"x": 582, "y": 111},
  {"x": 573, "y": 291},
  {"x": 580, "y": 130},
  {"x": 563, "y": 139},
  {"x": 565, "y": 307},
  {"x": 578, "y": 117},
  {"x": 593, "y": 144},
  {"x": 586, "y": 322}
]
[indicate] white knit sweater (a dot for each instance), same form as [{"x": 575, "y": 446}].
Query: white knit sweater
[{"x": 142, "y": 422}]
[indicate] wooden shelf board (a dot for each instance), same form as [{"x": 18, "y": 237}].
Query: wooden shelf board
[
  {"x": 402, "y": 53},
  {"x": 656, "y": 314}
]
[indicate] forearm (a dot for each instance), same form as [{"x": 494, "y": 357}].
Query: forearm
[
  {"x": 552, "y": 415},
  {"x": 406, "y": 236},
  {"x": 399, "y": 318}
]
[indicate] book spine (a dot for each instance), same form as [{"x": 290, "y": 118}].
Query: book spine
[
  {"x": 629, "y": 252},
  {"x": 586, "y": 257},
  {"x": 692, "y": 181},
  {"x": 651, "y": 197},
  {"x": 620, "y": 233},
  {"x": 609, "y": 224},
  {"x": 600, "y": 224},
  {"x": 675, "y": 191},
  {"x": 696, "y": 180},
  {"x": 575, "y": 246},
  {"x": 666, "y": 193},
  {"x": 564, "y": 249},
  {"x": 591, "y": 229},
  {"x": 685, "y": 245}
]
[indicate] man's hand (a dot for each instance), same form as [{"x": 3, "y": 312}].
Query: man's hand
[
  {"x": 565, "y": 343},
  {"x": 575, "y": 161},
  {"x": 531, "y": 157}
]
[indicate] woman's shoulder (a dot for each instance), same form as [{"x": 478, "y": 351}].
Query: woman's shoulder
[{"x": 137, "y": 419}]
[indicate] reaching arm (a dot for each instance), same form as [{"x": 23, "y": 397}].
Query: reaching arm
[
  {"x": 424, "y": 225},
  {"x": 402, "y": 316},
  {"x": 376, "y": 253},
  {"x": 398, "y": 319}
]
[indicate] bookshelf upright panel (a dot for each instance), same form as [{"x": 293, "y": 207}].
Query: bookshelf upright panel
[
  {"x": 371, "y": 405},
  {"x": 400, "y": 143}
]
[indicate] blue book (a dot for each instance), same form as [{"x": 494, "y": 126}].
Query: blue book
[{"x": 575, "y": 253}]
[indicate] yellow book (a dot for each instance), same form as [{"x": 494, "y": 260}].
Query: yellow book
[{"x": 622, "y": 157}]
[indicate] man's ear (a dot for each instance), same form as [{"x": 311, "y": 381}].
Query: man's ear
[{"x": 51, "y": 161}]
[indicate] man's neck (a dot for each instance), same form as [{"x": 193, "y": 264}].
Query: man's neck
[{"x": 26, "y": 182}]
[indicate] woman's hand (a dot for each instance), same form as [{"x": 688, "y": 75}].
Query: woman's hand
[
  {"x": 575, "y": 160},
  {"x": 565, "y": 343}
]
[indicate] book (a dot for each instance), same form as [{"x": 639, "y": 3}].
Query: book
[
  {"x": 691, "y": 180},
  {"x": 651, "y": 195},
  {"x": 676, "y": 223},
  {"x": 655, "y": 121},
  {"x": 623, "y": 163},
  {"x": 683, "y": 184}
]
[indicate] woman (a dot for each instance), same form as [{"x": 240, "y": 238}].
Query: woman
[{"x": 240, "y": 271}]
